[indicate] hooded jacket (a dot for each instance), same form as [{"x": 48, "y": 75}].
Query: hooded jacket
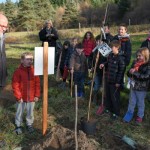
[{"x": 25, "y": 85}]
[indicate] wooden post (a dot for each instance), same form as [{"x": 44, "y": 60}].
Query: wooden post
[
  {"x": 71, "y": 83},
  {"x": 45, "y": 86},
  {"x": 76, "y": 119},
  {"x": 58, "y": 70},
  {"x": 91, "y": 91},
  {"x": 79, "y": 27}
]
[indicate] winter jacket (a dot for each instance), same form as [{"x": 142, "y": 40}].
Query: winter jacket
[
  {"x": 50, "y": 39},
  {"x": 78, "y": 62},
  {"x": 88, "y": 45},
  {"x": 3, "y": 65},
  {"x": 115, "y": 67},
  {"x": 108, "y": 39},
  {"x": 146, "y": 43},
  {"x": 141, "y": 78},
  {"x": 64, "y": 58},
  {"x": 25, "y": 85},
  {"x": 125, "y": 49}
]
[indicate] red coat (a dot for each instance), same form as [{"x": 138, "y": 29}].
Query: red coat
[
  {"x": 88, "y": 45},
  {"x": 25, "y": 85}
]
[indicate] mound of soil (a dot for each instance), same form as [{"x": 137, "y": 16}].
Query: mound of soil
[{"x": 61, "y": 138}]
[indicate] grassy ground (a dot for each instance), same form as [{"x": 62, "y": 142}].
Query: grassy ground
[{"x": 61, "y": 110}]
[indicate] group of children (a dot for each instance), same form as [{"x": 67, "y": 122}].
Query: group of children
[{"x": 77, "y": 58}]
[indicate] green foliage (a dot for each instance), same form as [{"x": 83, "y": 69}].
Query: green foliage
[
  {"x": 123, "y": 6},
  {"x": 98, "y": 3},
  {"x": 2, "y": 7},
  {"x": 11, "y": 11},
  {"x": 71, "y": 15},
  {"x": 46, "y": 13},
  {"x": 26, "y": 15}
]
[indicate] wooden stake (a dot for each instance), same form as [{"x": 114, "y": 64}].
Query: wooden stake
[
  {"x": 76, "y": 119},
  {"x": 91, "y": 91},
  {"x": 71, "y": 83},
  {"x": 58, "y": 66},
  {"x": 45, "y": 86}
]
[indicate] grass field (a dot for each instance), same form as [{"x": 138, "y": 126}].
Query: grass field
[{"x": 61, "y": 108}]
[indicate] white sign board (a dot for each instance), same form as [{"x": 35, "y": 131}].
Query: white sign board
[
  {"x": 104, "y": 49},
  {"x": 38, "y": 60}
]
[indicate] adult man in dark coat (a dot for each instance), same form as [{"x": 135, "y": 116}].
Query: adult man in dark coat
[
  {"x": 48, "y": 34},
  {"x": 3, "y": 69}
]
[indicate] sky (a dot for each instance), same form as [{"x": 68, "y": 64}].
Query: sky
[{"x": 3, "y": 1}]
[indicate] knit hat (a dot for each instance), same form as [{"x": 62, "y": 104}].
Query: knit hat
[{"x": 67, "y": 43}]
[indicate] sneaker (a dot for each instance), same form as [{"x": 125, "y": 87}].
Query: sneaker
[
  {"x": 106, "y": 111},
  {"x": 128, "y": 117},
  {"x": 138, "y": 120},
  {"x": 114, "y": 117},
  {"x": 18, "y": 130},
  {"x": 30, "y": 129}
]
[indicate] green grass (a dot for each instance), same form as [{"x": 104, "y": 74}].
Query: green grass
[{"x": 61, "y": 108}]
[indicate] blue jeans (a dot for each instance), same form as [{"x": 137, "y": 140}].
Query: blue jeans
[
  {"x": 79, "y": 78},
  {"x": 97, "y": 82},
  {"x": 137, "y": 97}
]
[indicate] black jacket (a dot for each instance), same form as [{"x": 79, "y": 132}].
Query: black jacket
[
  {"x": 115, "y": 67},
  {"x": 146, "y": 43},
  {"x": 141, "y": 78},
  {"x": 50, "y": 39},
  {"x": 64, "y": 58},
  {"x": 125, "y": 49},
  {"x": 108, "y": 39}
]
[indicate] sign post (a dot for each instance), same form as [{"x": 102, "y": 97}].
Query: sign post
[
  {"x": 45, "y": 86},
  {"x": 44, "y": 65}
]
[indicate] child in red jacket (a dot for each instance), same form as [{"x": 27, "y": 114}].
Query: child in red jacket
[
  {"x": 88, "y": 45},
  {"x": 26, "y": 89}
]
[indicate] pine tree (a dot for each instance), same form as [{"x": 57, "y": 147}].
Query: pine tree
[
  {"x": 123, "y": 6},
  {"x": 26, "y": 16},
  {"x": 11, "y": 11},
  {"x": 2, "y": 7},
  {"x": 71, "y": 15},
  {"x": 44, "y": 10}
]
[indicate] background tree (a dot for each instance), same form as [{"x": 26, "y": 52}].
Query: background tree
[
  {"x": 2, "y": 7},
  {"x": 71, "y": 15},
  {"x": 26, "y": 15},
  {"x": 11, "y": 11},
  {"x": 44, "y": 11}
]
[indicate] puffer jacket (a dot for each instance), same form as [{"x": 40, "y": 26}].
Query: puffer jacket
[
  {"x": 88, "y": 45},
  {"x": 25, "y": 85},
  {"x": 65, "y": 58},
  {"x": 141, "y": 78},
  {"x": 125, "y": 49},
  {"x": 78, "y": 62},
  {"x": 115, "y": 66}
]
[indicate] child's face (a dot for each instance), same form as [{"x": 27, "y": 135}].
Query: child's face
[
  {"x": 65, "y": 46},
  {"x": 106, "y": 29},
  {"x": 98, "y": 42},
  {"x": 140, "y": 57},
  {"x": 122, "y": 30},
  {"x": 88, "y": 36},
  {"x": 27, "y": 61},
  {"x": 74, "y": 42},
  {"x": 115, "y": 50},
  {"x": 79, "y": 50}
]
